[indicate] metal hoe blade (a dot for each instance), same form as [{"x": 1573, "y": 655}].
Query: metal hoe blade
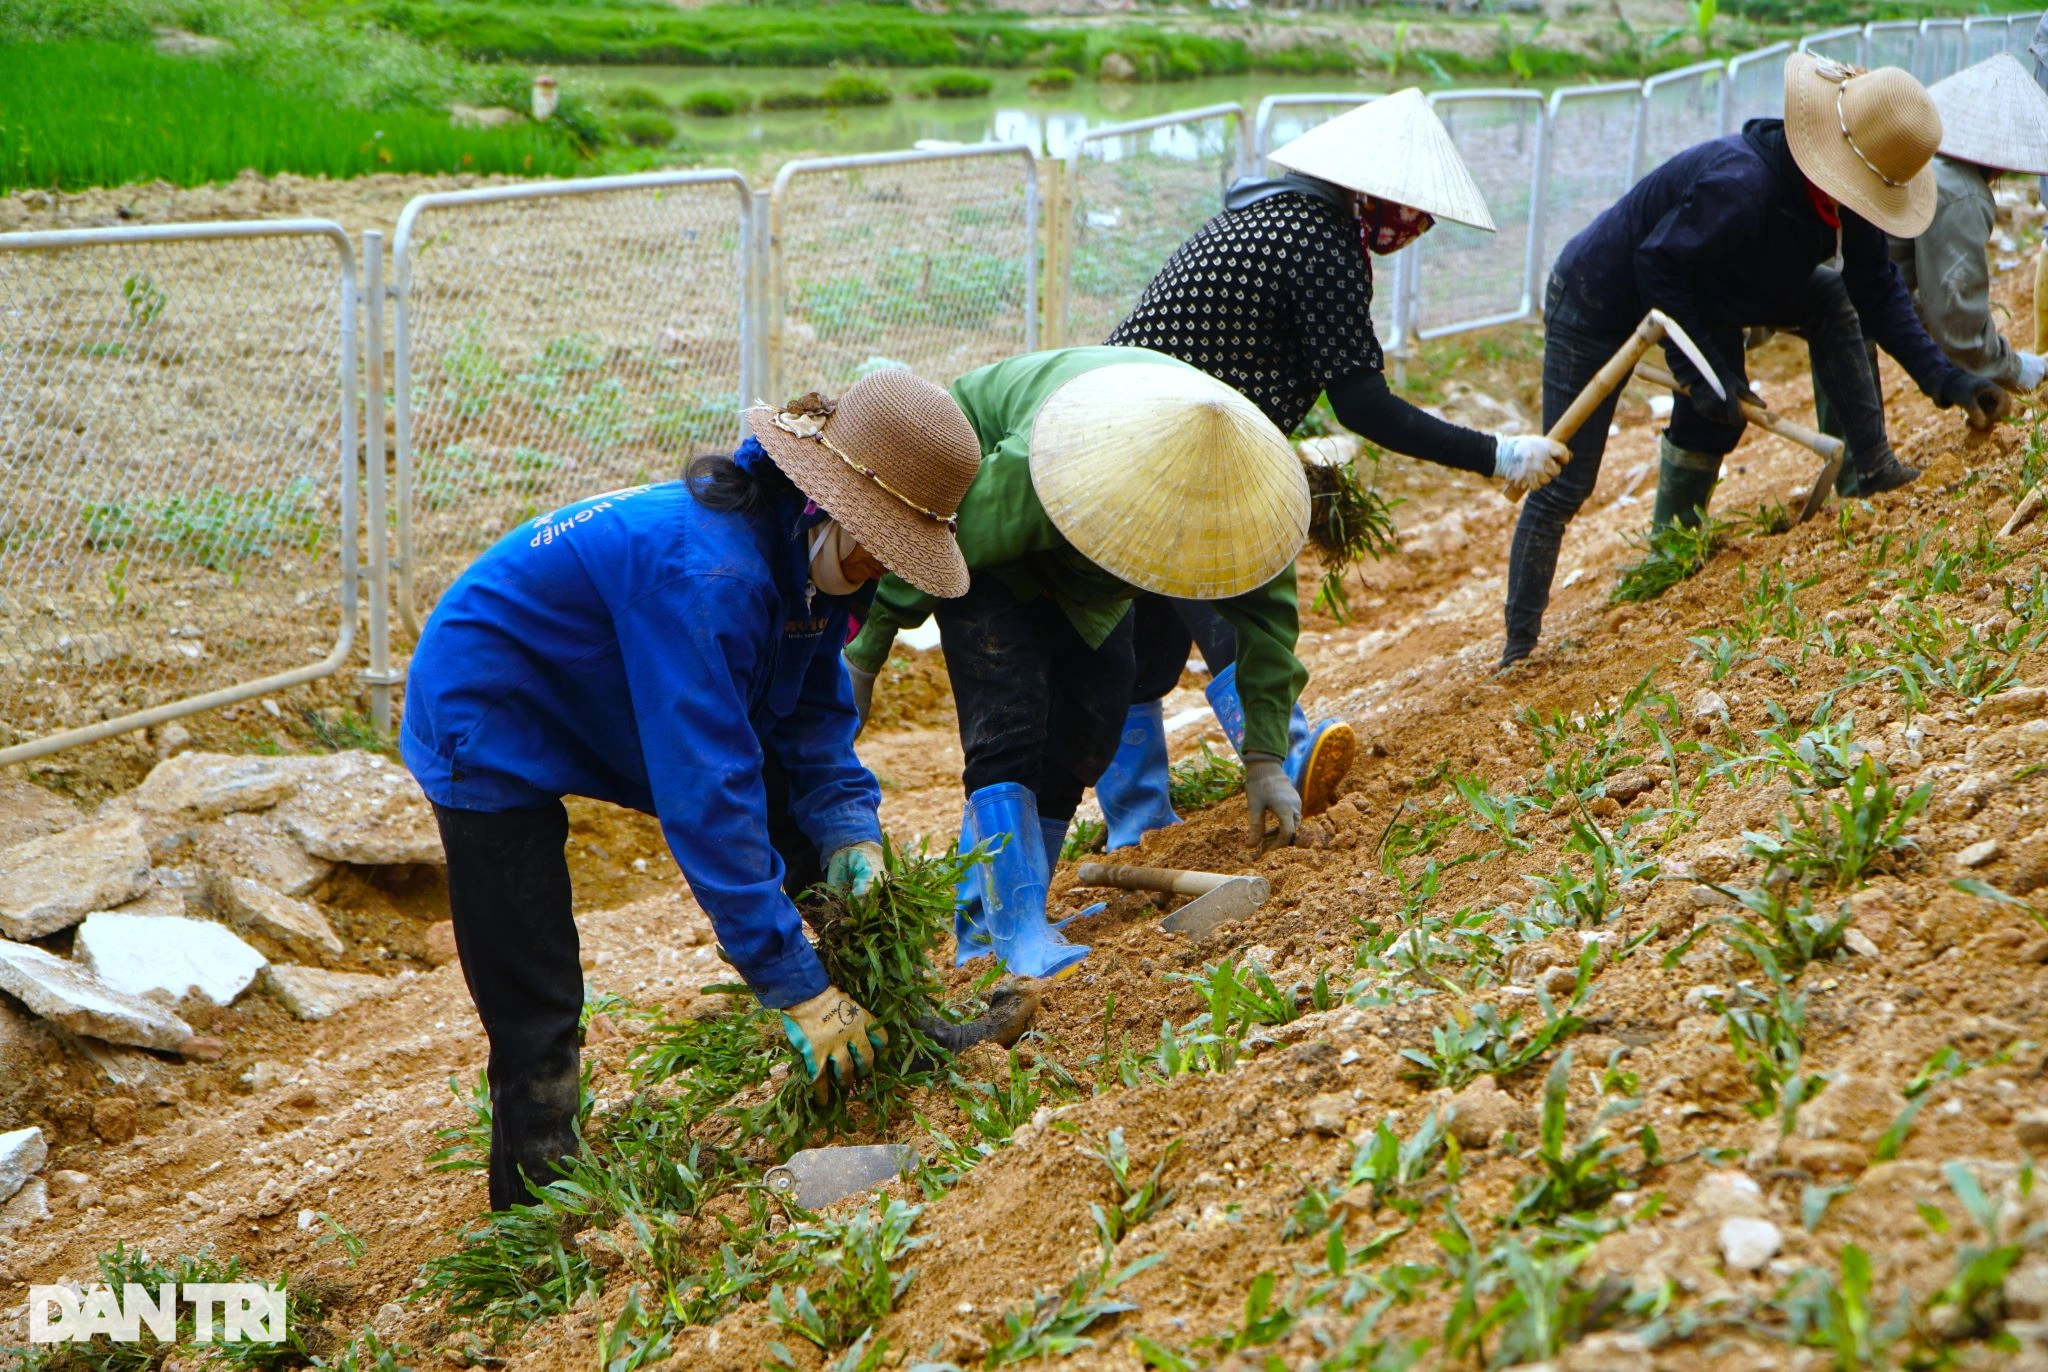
[
  {"x": 1231, "y": 901},
  {"x": 1674, "y": 334},
  {"x": 816, "y": 1177}
]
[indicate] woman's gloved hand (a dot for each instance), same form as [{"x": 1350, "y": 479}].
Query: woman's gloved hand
[
  {"x": 863, "y": 695},
  {"x": 1527, "y": 461},
  {"x": 1725, "y": 412},
  {"x": 836, "y": 1038},
  {"x": 1268, "y": 791},
  {"x": 2033, "y": 370},
  {"x": 853, "y": 870},
  {"x": 1984, "y": 402}
]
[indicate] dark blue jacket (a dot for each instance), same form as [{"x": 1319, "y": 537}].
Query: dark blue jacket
[
  {"x": 640, "y": 648},
  {"x": 1723, "y": 236}
]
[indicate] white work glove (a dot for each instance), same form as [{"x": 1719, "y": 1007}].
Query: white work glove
[
  {"x": 1527, "y": 461},
  {"x": 2033, "y": 367},
  {"x": 852, "y": 870},
  {"x": 833, "y": 1030},
  {"x": 1268, "y": 791},
  {"x": 863, "y": 695}
]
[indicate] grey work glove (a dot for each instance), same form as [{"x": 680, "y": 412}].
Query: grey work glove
[
  {"x": 1268, "y": 791},
  {"x": 863, "y": 695},
  {"x": 1984, "y": 401}
]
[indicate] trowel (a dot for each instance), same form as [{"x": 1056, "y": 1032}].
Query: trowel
[
  {"x": 815, "y": 1177},
  {"x": 1219, "y": 899}
]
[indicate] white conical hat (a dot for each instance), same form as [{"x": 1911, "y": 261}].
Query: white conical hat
[
  {"x": 1393, "y": 148},
  {"x": 1169, "y": 479},
  {"x": 1994, "y": 115}
]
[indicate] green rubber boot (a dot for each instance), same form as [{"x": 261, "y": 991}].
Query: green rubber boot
[{"x": 1685, "y": 483}]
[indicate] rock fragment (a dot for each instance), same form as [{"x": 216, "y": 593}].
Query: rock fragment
[
  {"x": 1977, "y": 854},
  {"x": 1328, "y": 1114},
  {"x": 30, "y": 1206},
  {"x": 296, "y": 924},
  {"x": 315, "y": 993},
  {"x": 2032, "y": 1128},
  {"x": 116, "y": 1119},
  {"x": 258, "y": 847},
  {"x": 440, "y": 941},
  {"x": 358, "y": 808},
  {"x": 51, "y": 883},
  {"x": 2021, "y": 702},
  {"x": 28, "y": 811},
  {"x": 1482, "y": 1112},
  {"x": 72, "y": 998},
  {"x": 208, "y": 785},
  {"x": 168, "y": 954},
  {"x": 22, "y": 1154},
  {"x": 1747, "y": 1244}
]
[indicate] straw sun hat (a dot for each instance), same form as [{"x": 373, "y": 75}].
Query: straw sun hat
[
  {"x": 889, "y": 460},
  {"x": 1393, "y": 148},
  {"x": 1169, "y": 479},
  {"x": 1993, "y": 115},
  {"x": 1867, "y": 138}
]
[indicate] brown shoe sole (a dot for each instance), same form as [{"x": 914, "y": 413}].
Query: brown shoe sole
[{"x": 1327, "y": 767}]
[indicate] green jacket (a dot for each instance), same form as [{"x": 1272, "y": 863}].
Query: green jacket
[{"x": 1006, "y": 534}]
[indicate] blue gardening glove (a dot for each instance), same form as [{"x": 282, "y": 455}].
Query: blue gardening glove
[
  {"x": 863, "y": 695},
  {"x": 1268, "y": 791},
  {"x": 836, "y": 1038},
  {"x": 853, "y": 869}
]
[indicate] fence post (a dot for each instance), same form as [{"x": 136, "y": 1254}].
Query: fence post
[
  {"x": 1057, "y": 226},
  {"x": 379, "y": 675}
]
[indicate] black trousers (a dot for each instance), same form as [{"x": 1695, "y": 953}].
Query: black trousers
[
  {"x": 509, "y": 896},
  {"x": 1037, "y": 705},
  {"x": 1163, "y": 632}
]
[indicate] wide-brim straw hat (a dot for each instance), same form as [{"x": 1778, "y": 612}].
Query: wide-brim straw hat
[
  {"x": 1169, "y": 479},
  {"x": 1393, "y": 148},
  {"x": 890, "y": 460},
  {"x": 1993, "y": 115},
  {"x": 1867, "y": 138}
]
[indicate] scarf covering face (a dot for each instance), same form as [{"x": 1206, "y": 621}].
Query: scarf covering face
[{"x": 1385, "y": 227}]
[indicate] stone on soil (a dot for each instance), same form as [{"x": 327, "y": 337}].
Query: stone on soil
[
  {"x": 294, "y": 923},
  {"x": 71, "y": 997},
  {"x": 358, "y": 808},
  {"x": 2032, "y": 1128},
  {"x": 1747, "y": 1244},
  {"x": 2021, "y": 702},
  {"x": 1977, "y": 854},
  {"x": 257, "y": 847},
  {"x": 22, "y": 1154},
  {"x": 440, "y": 941},
  {"x": 209, "y": 785},
  {"x": 141, "y": 954},
  {"x": 315, "y": 993},
  {"x": 30, "y": 1205},
  {"x": 51, "y": 883},
  {"x": 1482, "y": 1112}
]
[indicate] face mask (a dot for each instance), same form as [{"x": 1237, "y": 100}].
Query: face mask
[
  {"x": 1385, "y": 227},
  {"x": 829, "y": 544}
]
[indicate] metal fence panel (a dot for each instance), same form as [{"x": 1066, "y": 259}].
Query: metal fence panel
[
  {"x": 1941, "y": 50},
  {"x": 1680, "y": 109},
  {"x": 1843, "y": 45},
  {"x": 1982, "y": 39},
  {"x": 2019, "y": 36},
  {"x": 1894, "y": 43},
  {"x": 1137, "y": 191},
  {"x": 1756, "y": 86},
  {"x": 924, "y": 259},
  {"x": 555, "y": 340},
  {"x": 1588, "y": 159},
  {"x": 178, "y": 508},
  {"x": 1466, "y": 278}
]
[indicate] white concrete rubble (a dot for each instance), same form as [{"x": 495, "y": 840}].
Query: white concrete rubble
[
  {"x": 51, "y": 883},
  {"x": 72, "y": 998},
  {"x": 316, "y": 993},
  {"x": 22, "y": 1154},
  {"x": 209, "y": 785},
  {"x": 169, "y": 954},
  {"x": 296, "y": 924},
  {"x": 361, "y": 808}
]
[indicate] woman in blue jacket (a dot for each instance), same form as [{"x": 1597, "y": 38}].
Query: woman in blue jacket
[{"x": 675, "y": 649}]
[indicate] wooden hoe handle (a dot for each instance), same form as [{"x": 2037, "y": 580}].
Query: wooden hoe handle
[
  {"x": 1149, "y": 878},
  {"x": 1824, "y": 444}
]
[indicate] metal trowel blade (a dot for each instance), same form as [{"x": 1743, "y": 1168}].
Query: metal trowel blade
[
  {"x": 1202, "y": 916},
  {"x": 815, "y": 1177}
]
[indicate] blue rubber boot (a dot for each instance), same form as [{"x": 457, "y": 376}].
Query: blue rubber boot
[
  {"x": 1013, "y": 883},
  {"x": 1136, "y": 789},
  {"x": 970, "y": 929},
  {"x": 1055, "y": 833},
  {"x": 1318, "y": 756}
]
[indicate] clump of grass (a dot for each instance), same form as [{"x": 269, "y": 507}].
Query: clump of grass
[
  {"x": 635, "y": 97},
  {"x": 858, "y": 1289},
  {"x": 645, "y": 128},
  {"x": 1671, "y": 554},
  {"x": 1198, "y": 782},
  {"x": 1053, "y": 79},
  {"x": 856, "y": 88},
  {"x": 1348, "y": 520},
  {"x": 216, "y": 528},
  {"x": 953, "y": 84},
  {"x": 716, "y": 102},
  {"x": 792, "y": 98}
]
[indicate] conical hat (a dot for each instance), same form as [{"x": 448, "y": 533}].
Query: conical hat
[
  {"x": 1994, "y": 115},
  {"x": 1393, "y": 148},
  {"x": 1169, "y": 479}
]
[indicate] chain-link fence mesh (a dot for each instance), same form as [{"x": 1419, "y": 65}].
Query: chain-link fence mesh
[
  {"x": 2019, "y": 36},
  {"x": 1680, "y": 108},
  {"x": 1467, "y": 278},
  {"x": 1843, "y": 45},
  {"x": 555, "y": 341},
  {"x": 1756, "y": 86},
  {"x": 923, "y": 260},
  {"x": 1588, "y": 164},
  {"x": 1136, "y": 192},
  {"x": 175, "y": 492}
]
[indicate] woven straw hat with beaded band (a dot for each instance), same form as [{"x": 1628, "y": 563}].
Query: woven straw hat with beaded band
[
  {"x": 890, "y": 460},
  {"x": 1867, "y": 138}
]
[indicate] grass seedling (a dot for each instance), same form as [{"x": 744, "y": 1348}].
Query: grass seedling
[
  {"x": 1056, "y": 1323},
  {"x": 1769, "y": 1040},
  {"x": 1088, "y": 836},
  {"x": 1838, "y": 841},
  {"x": 1781, "y": 929},
  {"x": 1834, "y": 1312},
  {"x": 1348, "y": 520},
  {"x": 1494, "y": 812},
  {"x": 1198, "y": 782},
  {"x": 1131, "y": 1205},
  {"x": 859, "y": 1286},
  {"x": 1671, "y": 554},
  {"x": 1482, "y": 1043},
  {"x": 1573, "y": 1180}
]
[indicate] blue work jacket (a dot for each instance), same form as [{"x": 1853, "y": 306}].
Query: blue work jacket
[
  {"x": 1723, "y": 236},
  {"x": 641, "y": 648}
]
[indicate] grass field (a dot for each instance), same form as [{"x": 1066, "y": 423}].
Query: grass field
[{"x": 193, "y": 120}]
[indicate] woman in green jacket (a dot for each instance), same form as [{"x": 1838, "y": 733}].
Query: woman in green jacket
[{"x": 1106, "y": 472}]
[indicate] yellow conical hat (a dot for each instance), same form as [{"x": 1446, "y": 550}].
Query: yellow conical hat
[
  {"x": 1393, "y": 148},
  {"x": 1169, "y": 479}
]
